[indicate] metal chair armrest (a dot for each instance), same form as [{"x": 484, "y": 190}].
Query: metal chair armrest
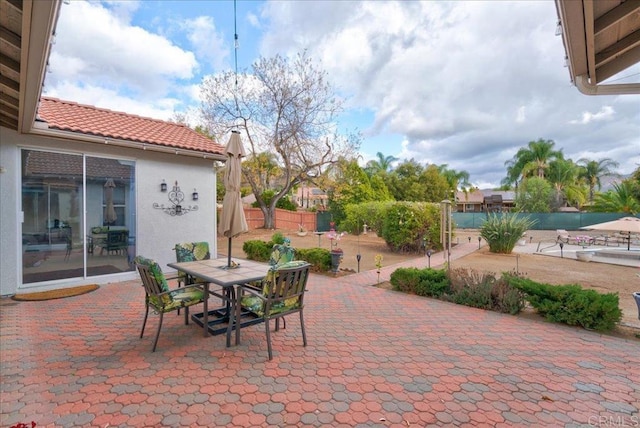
[{"x": 250, "y": 290}]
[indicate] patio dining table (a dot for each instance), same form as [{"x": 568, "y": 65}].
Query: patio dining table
[{"x": 216, "y": 271}]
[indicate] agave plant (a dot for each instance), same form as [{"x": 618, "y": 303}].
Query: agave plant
[{"x": 502, "y": 231}]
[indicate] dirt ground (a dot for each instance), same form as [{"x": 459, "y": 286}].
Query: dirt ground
[{"x": 602, "y": 277}]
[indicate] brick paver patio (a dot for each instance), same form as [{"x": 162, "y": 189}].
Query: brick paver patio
[{"x": 375, "y": 358}]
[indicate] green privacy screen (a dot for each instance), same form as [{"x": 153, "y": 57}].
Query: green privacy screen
[{"x": 542, "y": 221}]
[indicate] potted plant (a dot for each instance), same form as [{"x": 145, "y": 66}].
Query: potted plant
[{"x": 336, "y": 259}]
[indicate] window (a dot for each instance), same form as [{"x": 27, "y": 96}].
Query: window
[{"x": 64, "y": 198}]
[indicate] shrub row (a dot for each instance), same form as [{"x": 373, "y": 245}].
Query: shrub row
[
  {"x": 462, "y": 286},
  {"x": 569, "y": 304},
  {"x": 258, "y": 250}
]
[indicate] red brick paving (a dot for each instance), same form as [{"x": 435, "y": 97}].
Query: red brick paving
[{"x": 374, "y": 358}]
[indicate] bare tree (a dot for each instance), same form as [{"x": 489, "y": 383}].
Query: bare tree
[{"x": 285, "y": 108}]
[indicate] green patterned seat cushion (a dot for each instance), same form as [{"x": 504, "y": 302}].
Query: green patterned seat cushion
[
  {"x": 190, "y": 252},
  {"x": 256, "y": 305},
  {"x": 155, "y": 270},
  {"x": 281, "y": 253},
  {"x": 180, "y": 298}
]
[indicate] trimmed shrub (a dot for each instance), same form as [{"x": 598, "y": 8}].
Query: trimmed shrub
[
  {"x": 405, "y": 279},
  {"x": 319, "y": 258},
  {"x": 257, "y": 250},
  {"x": 407, "y": 225},
  {"x": 277, "y": 238},
  {"x": 423, "y": 282},
  {"x": 433, "y": 283},
  {"x": 484, "y": 290},
  {"x": 570, "y": 304}
]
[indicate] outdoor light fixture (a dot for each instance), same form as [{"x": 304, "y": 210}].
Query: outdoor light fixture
[
  {"x": 469, "y": 240},
  {"x": 479, "y": 239},
  {"x": 429, "y": 256},
  {"x": 176, "y": 196}
]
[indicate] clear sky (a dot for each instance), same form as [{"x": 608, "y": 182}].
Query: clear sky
[{"x": 463, "y": 83}]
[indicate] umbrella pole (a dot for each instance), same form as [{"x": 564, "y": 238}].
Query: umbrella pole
[{"x": 229, "y": 254}]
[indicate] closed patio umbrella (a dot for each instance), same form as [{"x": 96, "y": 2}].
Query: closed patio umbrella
[
  {"x": 232, "y": 219},
  {"x": 110, "y": 215},
  {"x": 624, "y": 224}
]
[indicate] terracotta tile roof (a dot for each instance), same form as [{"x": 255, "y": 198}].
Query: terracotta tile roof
[{"x": 84, "y": 119}]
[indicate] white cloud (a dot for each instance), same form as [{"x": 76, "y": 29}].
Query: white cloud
[
  {"x": 464, "y": 83},
  {"x": 449, "y": 77},
  {"x": 95, "y": 47},
  {"x": 208, "y": 43},
  {"x": 605, "y": 113}
]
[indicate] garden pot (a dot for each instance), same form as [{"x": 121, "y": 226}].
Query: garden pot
[{"x": 336, "y": 258}]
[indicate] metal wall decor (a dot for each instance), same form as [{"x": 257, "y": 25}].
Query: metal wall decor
[{"x": 175, "y": 206}]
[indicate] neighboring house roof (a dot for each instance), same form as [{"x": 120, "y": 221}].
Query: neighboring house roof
[
  {"x": 88, "y": 120},
  {"x": 62, "y": 165},
  {"x": 506, "y": 195},
  {"x": 601, "y": 39},
  {"x": 474, "y": 197}
]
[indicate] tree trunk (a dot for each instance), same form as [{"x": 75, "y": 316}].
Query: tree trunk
[{"x": 269, "y": 218}]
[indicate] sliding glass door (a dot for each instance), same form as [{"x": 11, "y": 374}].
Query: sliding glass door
[{"x": 78, "y": 216}]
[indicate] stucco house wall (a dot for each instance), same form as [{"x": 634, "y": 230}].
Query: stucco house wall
[{"x": 156, "y": 231}]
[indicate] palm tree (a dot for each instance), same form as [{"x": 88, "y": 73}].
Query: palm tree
[
  {"x": 531, "y": 161},
  {"x": 564, "y": 177},
  {"x": 593, "y": 171},
  {"x": 618, "y": 200},
  {"x": 383, "y": 164}
]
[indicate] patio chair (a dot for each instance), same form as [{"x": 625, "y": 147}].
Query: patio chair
[
  {"x": 189, "y": 252},
  {"x": 116, "y": 241},
  {"x": 636, "y": 296},
  {"x": 160, "y": 298},
  {"x": 282, "y": 294}
]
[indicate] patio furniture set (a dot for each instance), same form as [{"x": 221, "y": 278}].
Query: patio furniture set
[
  {"x": 615, "y": 239},
  {"x": 251, "y": 292}
]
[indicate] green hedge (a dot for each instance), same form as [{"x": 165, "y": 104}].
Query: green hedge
[
  {"x": 568, "y": 304},
  {"x": 319, "y": 258},
  {"x": 571, "y": 304}
]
